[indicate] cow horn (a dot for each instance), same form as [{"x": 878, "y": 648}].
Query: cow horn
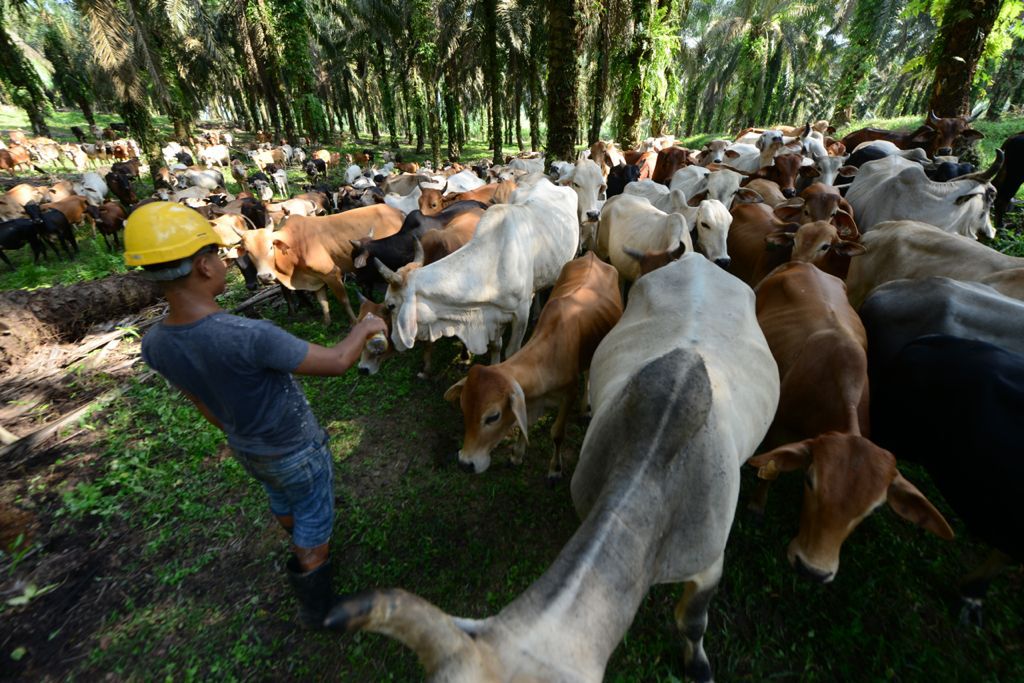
[
  {"x": 362, "y": 299},
  {"x": 932, "y": 118},
  {"x": 390, "y": 276},
  {"x": 419, "y": 625},
  {"x": 988, "y": 174},
  {"x": 632, "y": 253},
  {"x": 418, "y": 256}
]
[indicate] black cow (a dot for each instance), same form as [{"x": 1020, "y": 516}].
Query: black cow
[
  {"x": 184, "y": 158},
  {"x": 960, "y": 407},
  {"x": 120, "y": 127},
  {"x": 397, "y": 250},
  {"x": 51, "y": 223},
  {"x": 78, "y": 133},
  {"x": 620, "y": 176},
  {"x": 14, "y": 234},
  {"x": 315, "y": 168},
  {"x": 947, "y": 170},
  {"x": 1010, "y": 176}
]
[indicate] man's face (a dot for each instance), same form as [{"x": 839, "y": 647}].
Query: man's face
[{"x": 216, "y": 269}]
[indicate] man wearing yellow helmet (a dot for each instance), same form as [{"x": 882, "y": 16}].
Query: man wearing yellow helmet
[{"x": 238, "y": 372}]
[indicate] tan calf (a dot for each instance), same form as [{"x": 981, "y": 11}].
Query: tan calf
[
  {"x": 73, "y": 208},
  {"x": 584, "y": 305}
]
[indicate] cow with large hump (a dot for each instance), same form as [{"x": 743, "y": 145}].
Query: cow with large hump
[
  {"x": 908, "y": 249},
  {"x": 683, "y": 388},
  {"x": 518, "y": 249},
  {"x": 822, "y": 422},
  {"x": 311, "y": 252},
  {"x": 709, "y": 221},
  {"x": 628, "y": 221},
  {"x": 583, "y": 306},
  {"x": 960, "y": 405},
  {"x": 895, "y": 189}
]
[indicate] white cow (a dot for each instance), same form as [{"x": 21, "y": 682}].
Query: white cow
[
  {"x": 215, "y": 155},
  {"x": 518, "y": 249},
  {"x": 463, "y": 181},
  {"x": 527, "y": 165},
  {"x": 628, "y": 221},
  {"x": 722, "y": 185},
  {"x": 893, "y": 188},
  {"x": 909, "y": 249},
  {"x": 692, "y": 180},
  {"x": 709, "y": 221},
  {"x": 407, "y": 203},
  {"x": 92, "y": 187},
  {"x": 352, "y": 172},
  {"x": 588, "y": 183},
  {"x": 683, "y": 389},
  {"x": 713, "y": 152}
]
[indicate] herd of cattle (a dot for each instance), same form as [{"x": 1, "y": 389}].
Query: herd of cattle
[{"x": 822, "y": 303}]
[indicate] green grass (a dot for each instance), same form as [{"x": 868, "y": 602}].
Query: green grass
[
  {"x": 93, "y": 262},
  {"x": 167, "y": 564}
]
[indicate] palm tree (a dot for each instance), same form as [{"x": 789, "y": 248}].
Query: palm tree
[
  {"x": 965, "y": 27},
  {"x": 15, "y": 70},
  {"x": 563, "y": 104}
]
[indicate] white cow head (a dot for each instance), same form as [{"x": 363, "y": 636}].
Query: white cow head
[
  {"x": 711, "y": 228},
  {"x": 588, "y": 183},
  {"x": 400, "y": 300}
]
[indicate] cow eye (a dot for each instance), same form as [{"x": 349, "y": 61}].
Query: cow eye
[
  {"x": 825, "y": 247},
  {"x": 492, "y": 418}
]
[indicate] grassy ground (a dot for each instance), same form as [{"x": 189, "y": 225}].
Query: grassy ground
[{"x": 150, "y": 553}]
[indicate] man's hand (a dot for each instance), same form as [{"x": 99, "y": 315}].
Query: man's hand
[{"x": 336, "y": 360}]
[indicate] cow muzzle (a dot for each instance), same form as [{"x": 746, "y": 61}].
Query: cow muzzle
[
  {"x": 723, "y": 263},
  {"x": 476, "y": 464},
  {"x": 265, "y": 278},
  {"x": 806, "y": 570},
  {"x": 593, "y": 216},
  {"x": 945, "y": 151},
  {"x": 789, "y": 192}
]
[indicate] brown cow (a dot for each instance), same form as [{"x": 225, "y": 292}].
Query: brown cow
[
  {"x": 767, "y": 191},
  {"x": 756, "y": 226},
  {"x": 670, "y": 160},
  {"x": 17, "y": 137},
  {"x": 820, "y": 346},
  {"x": 73, "y": 208},
  {"x": 407, "y": 166},
  {"x": 110, "y": 217},
  {"x": 433, "y": 202},
  {"x": 820, "y": 202},
  {"x": 784, "y": 172},
  {"x": 309, "y": 252},
  {"x": 584, "y": 305},
  {"x": 647, "y": 161},
  {"x": 13, "y": 157},
  {"x": 936, "y": 136},
  {"x": 439, "y": 243}
]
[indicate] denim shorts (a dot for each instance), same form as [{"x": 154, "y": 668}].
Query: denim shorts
[{"x": 300, "y": 484}]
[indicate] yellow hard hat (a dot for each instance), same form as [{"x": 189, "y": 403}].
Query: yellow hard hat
[{"x": 165, "y": 232}]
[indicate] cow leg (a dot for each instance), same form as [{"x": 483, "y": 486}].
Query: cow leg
[
  {"x": 428, "y": 357},
  {"x": 692, "y": 619},
  {"x": 558, "y": 435},
  {"x": 337, "y": 286},
  {"x": 6, "y": 260},
  {"x": 759, "y": 499},
  {"x": 585, "y": 396},
  {"x": 515, "y": 340},
  {"x": 974, "y": 586},
  {"x": 494, "y": 346},
  {"x": 325, "y": 306}
]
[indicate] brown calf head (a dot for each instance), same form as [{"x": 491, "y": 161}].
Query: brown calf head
[
  {"x": 785, "y": 171},
  {"x": 846, "y": 477},
  {"x": 820, "y": 206},
  {"x": 652, "y": 260},
  {"x": 818, "y": 243},
  {"x": 377, "y": 348},
  {"x": 492, "y": 401},
  {"x": 432, "y": 200}
]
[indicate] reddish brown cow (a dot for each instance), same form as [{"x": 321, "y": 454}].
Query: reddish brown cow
[
  {"x": 439, "y": 243},
  {"x": 670, "y": 160},
  {"x": 784, "y": 173},
  {"x": 820, "y": 202},
  {"x": 408, "y": 166},
  {"x": 13, "y": 157},
  {"x": 110, "y": 218},
  {"x": 73, "y": 208},
  {"x": 646, "y": 161},
  {"x": 584, "y": 305},
  {"x": 936, "y": 136},
  {"x": 820, "y": 346}
]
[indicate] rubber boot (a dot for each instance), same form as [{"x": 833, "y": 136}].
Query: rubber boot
[{"x": 313, "y": 589}]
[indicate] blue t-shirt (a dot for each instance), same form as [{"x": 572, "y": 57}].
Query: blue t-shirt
[{"x": 241, "y": 369}]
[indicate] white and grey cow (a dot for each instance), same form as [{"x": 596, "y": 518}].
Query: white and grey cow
[
  {"x": 683, "y": 389},
  {"x": 518, "y": 249},
  {"x": 893, "y": 188},
  {"x": 709, "y": 221}
]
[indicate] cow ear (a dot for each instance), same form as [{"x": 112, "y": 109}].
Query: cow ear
[
  {"x": 851, "y": 249},
  {"x": 848, "y": 171},
  {"x": 967, "y": 197},
  {"x": 809, "y": 172},
  {"x": 845, "y": 225},
  {"x": 282, "y": 246},
  {"x": 454, "y": 392},
  {"x": 792, "y": 456},
  {"x": 732, "y": 154},
  {"x": 362, "y": 259},
  {"x": 910, "y": 504},
  {"x": 748, "y": 196},
  {"x": 518, "y": 401},
  {"x": 972, "y": 135},
  {"x": 788, "y": 213},
  {"x": 780, "y": 238}
]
